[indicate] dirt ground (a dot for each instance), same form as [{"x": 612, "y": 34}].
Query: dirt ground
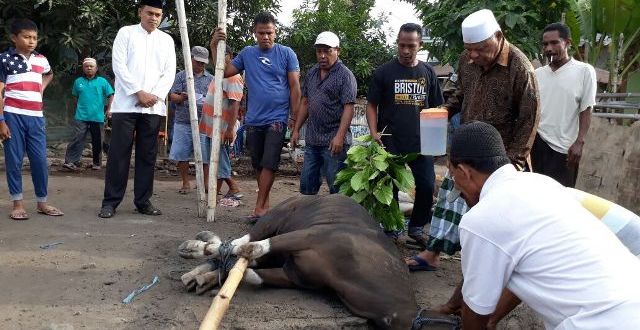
[{"x": 81, "y": 283}]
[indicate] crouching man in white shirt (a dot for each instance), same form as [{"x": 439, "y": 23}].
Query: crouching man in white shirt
[{"x": 527, "y": 236}]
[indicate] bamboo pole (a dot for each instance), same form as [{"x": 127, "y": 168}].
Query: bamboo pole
[
  {"x": 193, "y": 111},
  {"x": 221, "y": 302},
  {"x": 217, "y": 115}
]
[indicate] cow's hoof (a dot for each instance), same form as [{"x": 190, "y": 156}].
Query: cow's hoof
[
  {"x": 192, "y": 249},
  {"x": 207, "y": 236},
  {"x": 252, "y": 250}
]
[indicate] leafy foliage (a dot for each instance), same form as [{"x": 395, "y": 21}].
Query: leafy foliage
[
  {"x": 70, "y": 30},
  {"x": 362, "y": 42},
  {"x": 370, "y": 178},
  {"x": 522, "y": 22}
]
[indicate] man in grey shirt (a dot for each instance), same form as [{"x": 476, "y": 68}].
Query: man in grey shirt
[{"x": 182, "y": 145}]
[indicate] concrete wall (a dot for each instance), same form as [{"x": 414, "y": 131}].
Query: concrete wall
[{"x": 610, "y": 165}]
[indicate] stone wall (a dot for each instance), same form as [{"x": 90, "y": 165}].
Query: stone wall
[{"x": 610, "y": 165}]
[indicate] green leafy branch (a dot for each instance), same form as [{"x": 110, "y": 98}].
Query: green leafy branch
[{"x": 370, "y": 177}]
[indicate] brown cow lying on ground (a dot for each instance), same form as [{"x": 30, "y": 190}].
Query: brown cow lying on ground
[{"x": 324, "y": 242}]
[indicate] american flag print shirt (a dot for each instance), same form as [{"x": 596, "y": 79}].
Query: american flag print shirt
[{"x": 22, "y": 77}]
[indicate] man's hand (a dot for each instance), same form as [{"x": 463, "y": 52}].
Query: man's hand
[
  {"x": 4, "y": 131},
  {"x": 218, "y": 35},
  {"x": 108, "y": 114},
  {"x": 575, "y": 153},
  {"x": 295, "y": 135},
  {"x": 146, "y": 100},
  {"x": 335, "y": 147},
  {"x": 227, "y": 138},
  {"x": 377, "y": 137}
]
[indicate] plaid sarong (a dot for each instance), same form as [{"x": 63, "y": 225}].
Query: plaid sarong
[{"x": 443, "y": 233}]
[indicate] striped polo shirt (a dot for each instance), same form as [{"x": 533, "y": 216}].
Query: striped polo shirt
[{"x": 23, "y": 82}]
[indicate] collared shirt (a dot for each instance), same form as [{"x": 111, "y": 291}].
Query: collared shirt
[
  {"x": 92, "y": 95},
  {"x": 232, "y": 89},
  {"x": 528, "y": 233},
  {"x": 142, "y": 61},
  {"x": 23, "y": 82},
  {"x": 327, "y": 98},
  {"x": 201, "y": 83},
  {"x": 564, "y": 94},
  {"x": 505, "y": 96}
]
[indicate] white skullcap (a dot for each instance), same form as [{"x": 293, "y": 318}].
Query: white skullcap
[
  {"x": 479, "y": 26},
  {"x": 328, "y": 38},
  {"x": 90, "y": 60}
]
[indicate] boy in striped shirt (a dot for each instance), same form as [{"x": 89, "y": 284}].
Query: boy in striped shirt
[{"x": 24, "y": 74}]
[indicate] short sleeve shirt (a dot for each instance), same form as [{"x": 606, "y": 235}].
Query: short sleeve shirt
[
  {"x": 266, "y": 74},
  {"x": 23, "y": 81},
  {"x": 231, "y": 91},
  {"x": 564, "y": 93},
  {"x": 201, "y": 83},
  {"x": 550, "y": 251},
  {"x": 400, "y": 93},
  {"x": 327, "y": 98},
  {"x": 92, "y": 95}
]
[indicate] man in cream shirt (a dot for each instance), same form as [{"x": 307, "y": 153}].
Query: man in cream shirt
[
  {"x": 567, "y": 94},
  {"x": 144, "y": 63}
]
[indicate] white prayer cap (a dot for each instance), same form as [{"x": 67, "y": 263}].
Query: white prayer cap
[
  {"x": 90, "y": 60},
  {"x": 479, "y": 26},
  {"x": 328, "y": 38}
]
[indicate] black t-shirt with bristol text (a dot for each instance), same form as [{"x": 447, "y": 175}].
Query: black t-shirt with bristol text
[{"x": 400, "y": 93}]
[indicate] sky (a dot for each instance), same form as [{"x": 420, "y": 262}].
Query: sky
[{"x": 397, "y": 12}]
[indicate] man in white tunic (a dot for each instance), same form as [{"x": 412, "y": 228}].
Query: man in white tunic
[
  {"x": 567, "y": 94},
  {"x": 527, "y": 234},
  {"x": 144, "y": 64}
]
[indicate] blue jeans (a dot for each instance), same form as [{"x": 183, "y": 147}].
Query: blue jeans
[
  {"x": 27, "y": 135},
  {"x": 318, "y": 162}
]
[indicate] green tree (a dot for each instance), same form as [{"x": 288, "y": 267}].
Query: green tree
[
  {"x": 607, "y": 24},
  {"x": 70, "y": 30},
  {"x": 362, "y": 42},
  {"x": 522, "y": 22}
]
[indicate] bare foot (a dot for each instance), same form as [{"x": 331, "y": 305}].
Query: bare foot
[{"x": 447, "y": 309}]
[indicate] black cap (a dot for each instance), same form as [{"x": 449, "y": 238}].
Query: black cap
[
  {"x": 478, "y": 141},
  {"x": 152, "y": 3}
]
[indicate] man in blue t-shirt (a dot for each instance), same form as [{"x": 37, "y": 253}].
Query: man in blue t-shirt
[
  {"x": 272, "y": 77},
  {"x": 90, "y": 93}
]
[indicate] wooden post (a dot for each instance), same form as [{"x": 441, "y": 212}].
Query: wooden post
[
  {"x": 221, "y": 302},
  {"x": 217, "y": 115},
  {"x": 193, "y": 112}
]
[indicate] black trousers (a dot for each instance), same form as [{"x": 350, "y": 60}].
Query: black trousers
[
  {"x": 552, "y": 163},
  {"x": 76, "y": 146},
  {"x": 127, "y": 128},
  {"x": 424, "y": 176}
]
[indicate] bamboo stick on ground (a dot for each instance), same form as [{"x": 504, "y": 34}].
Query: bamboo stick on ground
[
  {"x": 193, "y": 112},
  {"x": 221, "y": 302},
  {"x": 217, "y": 115}
]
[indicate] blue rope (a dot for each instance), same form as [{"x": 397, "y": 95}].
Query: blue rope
[{"x": 224, "y": 262}]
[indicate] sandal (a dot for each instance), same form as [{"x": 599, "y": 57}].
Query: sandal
[
  {"x": 19, "y": 215},
  {"x": 107, "y": 212},
  {"x": 149, "y": 210},
  {"x": 51, "y": 211},
  {"x": 421, "y": 265},
  {"x": 184, "y": 191}
]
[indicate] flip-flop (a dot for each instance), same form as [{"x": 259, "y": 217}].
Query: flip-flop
[
  {"x": 422, "y": 265},
  {"x": 51, "y": 211},
  {"x": 184, "y": 191},
  {"x": 19, "y": 217},
  {"x": 236, "y": 195}
]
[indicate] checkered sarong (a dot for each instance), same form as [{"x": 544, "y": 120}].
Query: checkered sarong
[{"x": 443, "y": 233}]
